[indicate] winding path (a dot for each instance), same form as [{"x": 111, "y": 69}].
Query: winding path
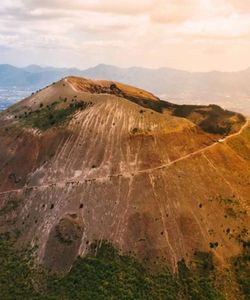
[
  {"x": 127, "y": 174},
  {"x": 132, "y": 173}
]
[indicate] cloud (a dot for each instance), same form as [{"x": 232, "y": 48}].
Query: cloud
[
  {"x": 127, "y": 32},
  {"x": 242, "y": 6},
  {"x": 219, "y": 27},
  {"x": 173, "y": 11},
  {"x": 128, "y": 7},
  {"x": 162, "y": 11}
]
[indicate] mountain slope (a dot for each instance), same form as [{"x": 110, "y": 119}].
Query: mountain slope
[{"x": 86, "y": 160}]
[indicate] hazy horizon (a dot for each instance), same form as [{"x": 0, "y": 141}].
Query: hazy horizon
[
  {"x": 192, "y": 35},
  {"x": 116, "y": 66}
]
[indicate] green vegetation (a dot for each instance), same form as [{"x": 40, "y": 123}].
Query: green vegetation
[
  {"x": 17, "y": 272},
  {"x": 49, "y": 116},
  {"x": 227, "y": 201},
  {"x": 242, "y": 273},
  {"x": 230, "y": 206},
  {"x": 104, "y": 274},
  {"x": 199, "y": 282}
]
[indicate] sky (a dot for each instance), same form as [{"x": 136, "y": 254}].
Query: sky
[{"x": 195, "y": 35}]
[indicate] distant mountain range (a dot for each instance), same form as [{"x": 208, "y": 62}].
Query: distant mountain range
[{"x": 231, "y": 90}]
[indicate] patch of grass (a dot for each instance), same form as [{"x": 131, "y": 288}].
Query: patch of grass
[
  {"x": 49, "y": 116},
  {"x": 227, "y": 201}
]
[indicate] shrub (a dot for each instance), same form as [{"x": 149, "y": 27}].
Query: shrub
[
  {"x": 107, "y": 274},
  {"x": 49, "y": 116}
]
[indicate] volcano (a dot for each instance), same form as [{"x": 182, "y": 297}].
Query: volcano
[{"x": 84, "y": 160}]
